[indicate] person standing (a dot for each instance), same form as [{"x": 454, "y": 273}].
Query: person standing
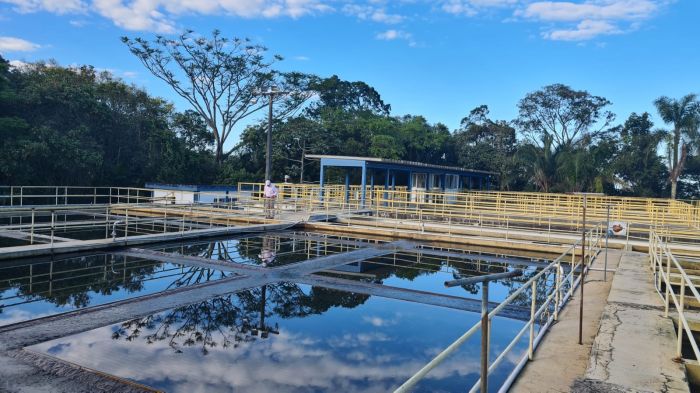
[{"x": 270, "y": 194}]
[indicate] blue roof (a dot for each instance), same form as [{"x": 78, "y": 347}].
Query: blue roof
[{"x": 374, "y": 162}]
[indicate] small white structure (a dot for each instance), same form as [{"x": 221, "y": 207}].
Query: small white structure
[{"x": 189, "y": 194}]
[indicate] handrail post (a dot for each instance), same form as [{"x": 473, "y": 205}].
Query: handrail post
[
  {"x": 485, "y": 334},
  {"x": 583, "y": 271},
  {"x": 31, "y": 233},
  {"x": 668, "y": 284},
  {"x": 533, "y": 305},
  {"x": 571, "y": 276},
  {"x": 53, "y": 218},
  {"x": 607, "y": 235},
  {"x": 679, "y": 344},
  {"x": 557, "y": 284},
  {"x": 126, "y": 223}
]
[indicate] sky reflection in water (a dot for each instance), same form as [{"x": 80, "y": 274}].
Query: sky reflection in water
[{"x": 327, "y": 341}]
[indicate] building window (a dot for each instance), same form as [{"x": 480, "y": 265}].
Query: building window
[
  {"x": 418, "y": 180},
  {"x": 435, "y": 181},
  {"x": 451, "y": 182}
]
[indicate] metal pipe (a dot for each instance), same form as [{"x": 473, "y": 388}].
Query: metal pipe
[
  {"x": 583, "y": 272},
  {"x": 53, "y": 218},
  {"x": 484, "y": 337},
  {"x": 533, "y": 307},
  {"x": 114, "y": 229},
  {"x": 607, "y": 236},
  {"x": 485, "y": 278},
  {"x": 31, "y": 238}
]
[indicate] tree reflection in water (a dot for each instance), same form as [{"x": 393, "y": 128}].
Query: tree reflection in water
[
  {"x": 71, "y": 282},
  {"x": 233, "y": 319},
  {"x": 237, "y": 318}
]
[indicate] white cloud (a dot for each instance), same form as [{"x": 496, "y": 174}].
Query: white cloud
[
  {"x": 472, "y": 7},
  {"x": 78, "y": 22},
  {"x": 569, "y": 20},
  {"x": 139, "y": 15},
  {"x": 606, "y": 10},
  {"x": 13, "y": 44},
  {"x": 20, "y": 65},
  {"x": 377, "y": 321},
  {"x": 592, "y": 18},
  {"x": 565, "y": 19},
  {"x": 375, "y": 14},
  {"x": 585, "y": 30},
  {"x": 53, "y": 6},
  {"x": 288, "y": 362},
  {"x": 160, "y": 15},
  {"x": 301, "y": 58},
  {"x": 392, "y": 34}
]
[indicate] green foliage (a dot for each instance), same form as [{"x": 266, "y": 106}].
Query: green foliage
[
  {"x": 689, "y": 184},
  {"x": 347, "y": 120},
  {"x": 221, "y": 78},
  {"x": 638, "y": 164},
  {"x": 684, "y": 115},
  {"x": 569, "y": 116},
  {"x": 484, "y": 144},
  {"x": 76, "y": 126},
  {"x": 79, "y": 127},
  {"x": 335, "y": 93}
]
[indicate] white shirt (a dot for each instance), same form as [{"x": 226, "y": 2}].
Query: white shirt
[{"x": 270, "y": 191}]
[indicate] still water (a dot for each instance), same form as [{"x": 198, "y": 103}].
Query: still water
[
  {"x": 284, "y": 336},
  {"x": 311, "y": 339}
]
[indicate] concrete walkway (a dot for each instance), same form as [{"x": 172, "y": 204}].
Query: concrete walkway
[
  {"x": 559, "y": 359},
  {"x": 634, "y": 349}
]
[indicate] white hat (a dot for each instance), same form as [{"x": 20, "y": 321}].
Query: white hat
[{"x": 267, "y": 182}]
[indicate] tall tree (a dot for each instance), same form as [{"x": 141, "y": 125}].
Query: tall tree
[
  {"x": 568, "y": 116},
  {"x": 638, "y": 165},
  {"x": 221, "y": 78},
  {"x": 76, "y": 126},
  {"x": 335, "y": 93},
  {"x": 684, "y": 114},
  {"x": 482, "y": 143},
  {"x": 541, "y": 163}
]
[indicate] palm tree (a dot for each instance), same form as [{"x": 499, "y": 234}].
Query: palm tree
[
  {"x": 541, "y": 163},
  {"x": 684, "y": 114}
]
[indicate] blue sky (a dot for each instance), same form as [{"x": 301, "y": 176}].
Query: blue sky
[{"x": 436, "y": 58}]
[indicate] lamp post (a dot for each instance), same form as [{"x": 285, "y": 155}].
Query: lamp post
[{"x": 271, "y": 93}]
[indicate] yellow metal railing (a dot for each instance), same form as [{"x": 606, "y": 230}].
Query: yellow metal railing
[
  {"x": 554, "y": 288},
  {"x": 527, "y": 210},
  {"x": 669, "y": 273}
]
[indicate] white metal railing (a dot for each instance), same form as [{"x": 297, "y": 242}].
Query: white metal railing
[
  {"x": 554, "y": 300},
  {"x": 669, "y": 273},
  {"x": 18, "y": 196}
]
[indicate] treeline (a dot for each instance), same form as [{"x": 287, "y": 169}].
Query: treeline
[
  {"x": 78, "y": 126},
  {"x": 562, "y": 141}
]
